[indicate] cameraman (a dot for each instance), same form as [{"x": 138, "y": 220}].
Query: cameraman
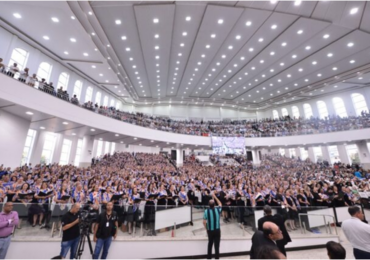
[
  {"x": 71, "y": 231},
  {"x": 105, "y": 228}
]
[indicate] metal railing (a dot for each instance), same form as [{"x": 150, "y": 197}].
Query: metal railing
[{"x": 326, "y": 224}]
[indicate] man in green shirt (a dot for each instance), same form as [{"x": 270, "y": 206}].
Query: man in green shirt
[{"x": 211, "y": 222}]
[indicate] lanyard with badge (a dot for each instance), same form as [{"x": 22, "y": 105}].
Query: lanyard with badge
[{"x": 108, "y": 218}]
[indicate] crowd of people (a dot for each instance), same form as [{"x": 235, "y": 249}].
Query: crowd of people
[
  {"x": 283, "y": 126},
  {"x": 153, "y": 179}
]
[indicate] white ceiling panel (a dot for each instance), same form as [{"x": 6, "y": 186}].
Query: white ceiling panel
[
  {"x": 242, "y": 65},
  {"x": 218, "y": 22},
  {"x": 152, "y": 21}
]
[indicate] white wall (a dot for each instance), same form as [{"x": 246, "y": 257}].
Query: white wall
[
  {"x": 9, "y": 42},
  {"x": 13, "y": 134},
  {"x": 346, "y": 96}
]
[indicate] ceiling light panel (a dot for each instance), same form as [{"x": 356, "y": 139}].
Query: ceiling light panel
[
  {"x": 313, "y": 27},
  {"x": 191, "y": 27},
  {"x": 107, "y": 16},
  {"x": 155, "y": 19},
  {"x": 208, "y": 26},
  {"x": 325, "y": 65},
  {"x": 233, "y": 56},
  {"x": 285, "y": 21}
]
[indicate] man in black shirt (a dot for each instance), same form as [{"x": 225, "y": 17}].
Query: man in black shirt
[
  {"x": 71, "y": 232},
  {"x": 106, "y": 227}
]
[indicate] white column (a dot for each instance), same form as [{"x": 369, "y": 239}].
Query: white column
[
  {"x": 88, "y": 145},
  {"x": 287, "y": 153},
  {"x": 363, "y": 153},
  {"x": 13, "y": 134},
  {"x": 72, "y": 153},
  {"x": 311, "y": 154},
  {"x": 255, "y": 157},
  {"x": 57, "y": 149},
  {"x": 298, "y": 152},
  {"x": 179, "y": 157},
  {"x": 343, "y": 154},
  {"x": 325, "y": 153}
]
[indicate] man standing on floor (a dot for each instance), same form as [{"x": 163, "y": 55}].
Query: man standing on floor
[
  {"x": 211, "y": 222},
  {"x": 279, "y": 221},
  {"x": 357, "y": 233},
  {"x": 105, "y": 229},
  {"x": 267, "y": 237},
  {"x": 8, "y": 220}
]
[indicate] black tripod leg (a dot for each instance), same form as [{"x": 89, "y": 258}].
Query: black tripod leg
[
  {"x": 80, "y": 247},
  {"x": 90, "y": 245}
]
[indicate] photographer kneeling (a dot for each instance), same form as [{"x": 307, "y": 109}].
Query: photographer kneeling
[
  {"x": 71, "y": 232},
  {"x": 105, "y": 228}
]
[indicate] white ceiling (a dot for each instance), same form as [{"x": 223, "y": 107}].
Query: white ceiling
[{"x": 247, "y": 64}]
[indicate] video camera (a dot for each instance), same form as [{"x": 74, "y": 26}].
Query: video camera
[{"x": 87, "y": 216}]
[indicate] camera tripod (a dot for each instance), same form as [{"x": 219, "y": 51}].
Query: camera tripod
[{"x": 81, "y": 243}]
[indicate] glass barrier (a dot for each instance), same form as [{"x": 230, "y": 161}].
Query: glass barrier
[
  {"x": 248, "y": 129},
  {"x": 141, "y": 220}
]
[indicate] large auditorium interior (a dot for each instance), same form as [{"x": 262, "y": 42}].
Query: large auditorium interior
[{"x": 184, "y": 129}]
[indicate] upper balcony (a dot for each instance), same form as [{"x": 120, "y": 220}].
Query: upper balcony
[{"x": 17, "y": 98}]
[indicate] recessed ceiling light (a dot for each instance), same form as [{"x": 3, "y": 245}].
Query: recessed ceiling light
[
  {"x": 314, "y": 62},
  {"x": 156, "y": 36},
  {"x": 46, "y": 37},
  {"x": 73, "y": 18},
  {"x": 65, "y": 123},
  {"x": 155, "y": 20},
  {"x": 124, "y": 38},
  {"x": 223, "y": 56},
  {"x": 262, "y": 61},
  {"x": 319, "y": 75},
  {"x": 93, "y": 66},
  {"x": 282, "y": 64},
  {"x": 85, "y": 54},
  {"x": 41, "y": 127},
  {"x": 260, "y": 39},
  {"x": 29, "y": 113},
  {"x": 274, "y": 26},
  {"x": 66, "y": 53},
  {"x": 208, "y": 46},
  {"x": 300, "y": 32},
  {"x": 238, "y": 37},
  {"x": 73, "y": 134},
  {"x": 72, "y": 40},
  {"x": 326, "y": 36},
  {"x": 300, "y": 69},
  {"x": 330, "y": 55},
  {"x": 220, "y": 21},
  {"x": 230, "y": 47},
  {"x": 308, "y": 47},
  {"x": 213, "y": 35},
  {"x": 297, "y": 2},
  {"x": 128, "y": 49},
  {"x": 284, "y": 44},
  {"x": 118, "y": 22},
  {"x": 92, "y": 130},
  {"x": 188, "y": 18},
  {"x": 90, "y": 13},
  {"x": 55, "y": 20},
  {"x": 350, "y": 44},
  {"x": 272, "y": 53},
  {"x": 335, "y": 68},
  {"x": 17, "y": 15},
  {"x": 251, "y": 49},
  {"x": 353, "y": 10},
  {"x": 248, "y": 23},
  {"x": 242, "y": 58},
  {"x": 294, "y": 56},
  {"x": 352, "y": 61},
  {"x": 156, "y": 47},
  {"x": 184, "y": 33}
]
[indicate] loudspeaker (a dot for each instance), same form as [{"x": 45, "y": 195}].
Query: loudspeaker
[{"x": 173, "y": 155}]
